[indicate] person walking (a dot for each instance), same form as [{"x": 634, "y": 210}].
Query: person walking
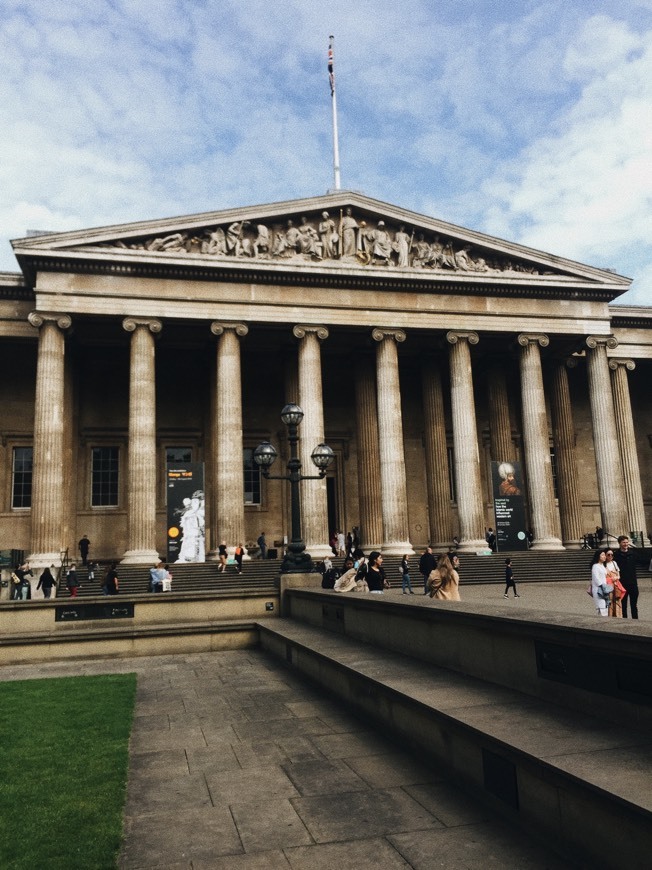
[
  {"x": 84, "y": 546},
  {"x": 221, "y": 552},
  {"x": 376, "y": 574},
  {"x": 72, "y": 582},
  {"x": 626, "y": 561},
  {"x": 613, "y": 578},
  {"x": 599, "y": 588},
  {"x": 262, "y": 544},
  {"x": 427, "y": 564},
  {"x": 404, "y": 571},
  {"x": 45, "y": 582},
  {"x": 509, "y": 579},
  {"x": 111, "y": 582},
  {"x": 444, "y": 581},
  {"x": 239, "y": 555}
]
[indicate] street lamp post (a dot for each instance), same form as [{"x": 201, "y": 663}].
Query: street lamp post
[{"x": 296, "y": 560}]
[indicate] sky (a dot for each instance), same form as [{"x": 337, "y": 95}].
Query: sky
[{"x": 526, "y": 120}]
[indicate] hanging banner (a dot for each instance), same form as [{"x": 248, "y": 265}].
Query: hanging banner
[
  {"x": 186, "y": 512},
  {"x": 509, "y": 508}
]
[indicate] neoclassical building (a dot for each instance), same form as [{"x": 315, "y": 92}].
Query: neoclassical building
[{"x": 421, "y": 352}]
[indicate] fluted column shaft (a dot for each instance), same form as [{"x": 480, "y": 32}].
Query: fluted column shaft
[
  {"x": 369, "y": 494},
  {"x": 468, "y": 481},
  {"x": 393, "y": 485},
  {"x": 536, "y": 444},
  {"x": 314, "y": 502},
  {"x": 49, "y": 468},
  {"x": 611, "y": 489},
  {"x": 627, "y": 441},
  {"x": 228, "y": 461},
  {"x": 437, "y": 480},
  {"x": 500, "y": 429},
  {"x": 141, "y": 506},
  {"x": 563, "y": 433}
]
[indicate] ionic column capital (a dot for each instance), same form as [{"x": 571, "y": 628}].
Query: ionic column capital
[
  {"x": 539, "y": 338},
  {"x": 301, "y": 331},
  {"x": 381, "y": 334},
  {"x": 219, "y": 328},
  {"x": 130, "y": 324},
  {"x": 38, "y": 318},
  {"x": 615, "y": 364},
  {"x": 607, "y": 341},
  {"x": 455, "y": 335}
]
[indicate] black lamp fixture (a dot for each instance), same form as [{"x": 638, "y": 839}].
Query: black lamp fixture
[{"x": 296, "y": 560}]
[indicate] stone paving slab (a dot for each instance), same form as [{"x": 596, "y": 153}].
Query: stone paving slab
[{"x": 310, "y": 788}]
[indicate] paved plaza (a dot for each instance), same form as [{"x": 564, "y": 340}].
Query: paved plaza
[{"x": 237, "y": 764}]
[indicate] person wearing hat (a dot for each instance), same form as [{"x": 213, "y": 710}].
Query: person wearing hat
[{"x": 376, "y": 574}]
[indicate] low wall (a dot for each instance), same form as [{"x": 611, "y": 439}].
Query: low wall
[
  {"x": 598, "y": 667},
  {"x": 125, "y": 625}
]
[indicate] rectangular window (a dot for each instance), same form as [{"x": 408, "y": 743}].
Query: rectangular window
[
  {"x": 21, "y": 487},
  {"x": 251, "y": 478},
  {"x": 178, "y": 454},
  {"x": 104, "y": 476}
]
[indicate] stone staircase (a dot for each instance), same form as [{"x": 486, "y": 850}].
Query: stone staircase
[{"x": 260, "y": 576}]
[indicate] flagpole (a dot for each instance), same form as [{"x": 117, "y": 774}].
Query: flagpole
[{"x": 336, "y": 146}]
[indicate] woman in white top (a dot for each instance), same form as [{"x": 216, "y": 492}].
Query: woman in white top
[
  {"x": 613, "y": 577},
  {"x": 598, "y": 578}
]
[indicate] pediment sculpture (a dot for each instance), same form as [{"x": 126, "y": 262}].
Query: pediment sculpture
[{"x": 329, "y": 239}]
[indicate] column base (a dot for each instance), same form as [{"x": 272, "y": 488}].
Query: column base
[
  {"x": 320, "y": 551},
  {"x": 395, "y": 548},
  {"x": 572, "y": 545},
  {"x": 472, "y": 545},
  {"x": 44, "y": 560},
  {"x": 547, "y": 544},
  {"x": 140, "y": 557}
]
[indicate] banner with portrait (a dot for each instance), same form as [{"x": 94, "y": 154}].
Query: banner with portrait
[
  {"x": 186, "y": 512},
  {"x": 509, "y": 507}
]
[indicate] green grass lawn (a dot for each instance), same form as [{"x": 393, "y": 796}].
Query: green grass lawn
[{"x": 63, "y": 771}]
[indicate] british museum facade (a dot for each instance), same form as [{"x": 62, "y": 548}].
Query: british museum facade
[{"x": 427, "y": 356}]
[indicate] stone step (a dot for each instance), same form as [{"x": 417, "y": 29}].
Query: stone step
[{"x": 561, "y": 775}]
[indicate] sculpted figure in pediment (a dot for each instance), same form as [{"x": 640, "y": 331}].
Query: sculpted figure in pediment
[
  {"x": 309, "y": 243},
  {"x": 348, "y": 229},
  {"x": 215, "y": 243},
  {"x": 402, "y": 245},
  {"x": 292, "y": 240},
  {"x": 422, "y": 252},
  {"x": 261, "y": 244},
  {"x": 328, "y": 237},
  {"x": 382, "y": 245},
  {"x": 174, "y": 242},
  {"x": 234, "y": 240}
]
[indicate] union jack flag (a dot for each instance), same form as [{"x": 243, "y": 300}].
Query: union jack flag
[{"x": 331, "y": 72}]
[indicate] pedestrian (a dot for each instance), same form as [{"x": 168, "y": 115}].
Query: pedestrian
[
  {"x": 84, "y": 547},
  {"x": 221, "y": 552},
  {"x": 341, "y": 544},
  {"x": 262, "y": 544},
  {"x": 626, "y": 561},
  {"x": 376, "y": 574},
  {"x": 404, "y": 571},
  {"x": 491, "y": 539},
  {"x": 239, "y": 555},
  {"x": 509, "y": 579},
  {"x": 444, "y": 581},
  {"x": 46, "y": 581},
  {"x": 22, "y": 590},
  {"x": 427, "y": 564},
  {"x": 613, "y": 578},
  {"x": 111, "y": 583},
  {"x": 92, "y": 567},
  {"x": 72, "y": 582},
  {"x": 156, "y": 577},
  {"x": 599, "y": 588}
]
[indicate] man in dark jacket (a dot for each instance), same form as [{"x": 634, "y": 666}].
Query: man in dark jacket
[
  {"x": 427, "y": 563},
  {"x": 626, "y": 561}
]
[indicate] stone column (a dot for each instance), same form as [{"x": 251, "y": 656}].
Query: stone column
[
  {"x": 49, "y": 469},
  {"x": 314, "y": 504},
  {"x": 141, "y": 497},
  {"x": 536, "y": 444},
  {"x": 500, "y": 429},
  {"x": 228, "y": 521},
  {"x": 437, "y": 479},
  {"x": 611, "y": 489},
  {"x": 627, "y": 441},
  {"x": 369, "y": 499},
  {"x": 468, "y": 481},
  {"x": 563, "y": 434},
  {"x": 393, "y": 485}
]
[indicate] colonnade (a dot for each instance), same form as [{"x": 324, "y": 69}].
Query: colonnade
[{"x": 383, "y": 500}]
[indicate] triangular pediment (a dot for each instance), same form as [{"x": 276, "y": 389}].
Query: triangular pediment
[{"x": 341, "y": 232}]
